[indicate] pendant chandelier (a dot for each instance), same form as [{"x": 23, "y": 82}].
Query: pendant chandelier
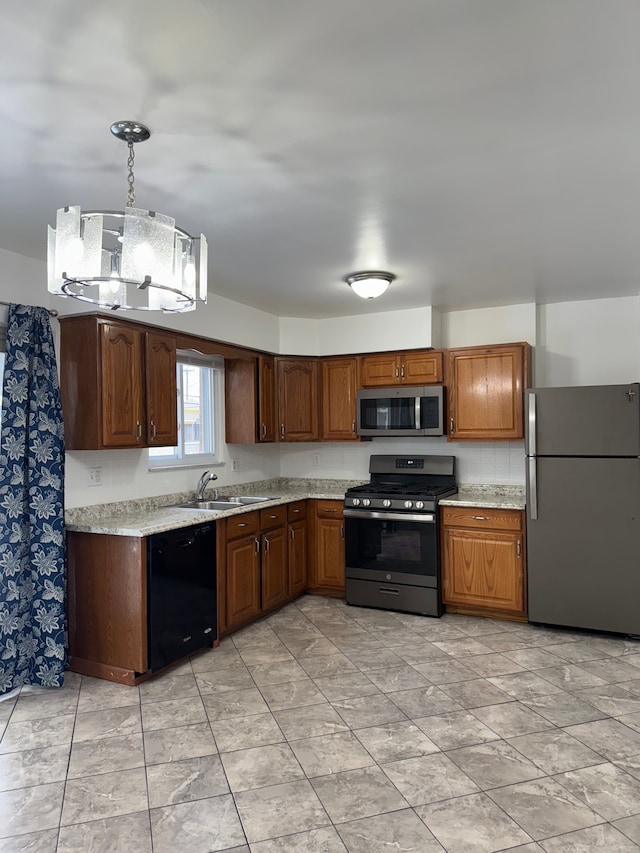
[
  {"x": 369, "y": 284},
  {"x": 135, "y": 260}
]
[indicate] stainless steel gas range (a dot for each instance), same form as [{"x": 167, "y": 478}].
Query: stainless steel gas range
[{"x": 392, "y": 533}]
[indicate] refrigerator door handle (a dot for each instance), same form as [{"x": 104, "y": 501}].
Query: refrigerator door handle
[
  {"x": 533, "y": 489},
  {"x": 531, "y": 414}
]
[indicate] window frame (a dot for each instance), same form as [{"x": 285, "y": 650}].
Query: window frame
[{"x": 215, "y": 393}]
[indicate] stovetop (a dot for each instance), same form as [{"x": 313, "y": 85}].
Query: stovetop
[{"x": 405, "y": 484}]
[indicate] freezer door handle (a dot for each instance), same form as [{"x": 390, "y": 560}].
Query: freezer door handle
[
  {"x": 533, "y": 488},
  {"x": 531, "y": 415}
]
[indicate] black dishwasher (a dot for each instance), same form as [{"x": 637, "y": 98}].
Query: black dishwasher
[{"x": 181, "y": 593}]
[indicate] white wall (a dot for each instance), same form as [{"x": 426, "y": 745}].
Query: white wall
[
  {"x": 500, "y": 325},
  {"x": 388, "y": 330},
  {"x": 588, "y": 343}
]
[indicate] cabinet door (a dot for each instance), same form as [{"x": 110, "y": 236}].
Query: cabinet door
[
  {"x": 298, "y": 399},
  {"x": 329, "y": 556},
  {"x": 421, "y": 368},
  {"x": 380, "y": 371},
  {"x": 297, "y": 557},
  {"x": 339, "y": 382},
  {"x": 162, "y": 408},
  {"x": 483, "y": 569},
  {"x": 266, "y": 398},
  {"x": 122, "y": 386},
  {"x": 486, "y": 387},
  {"x": 243, "y": 581},
  {"x": 274, "y": 567}
]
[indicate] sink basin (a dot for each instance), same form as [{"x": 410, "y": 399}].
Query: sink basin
[
  {"x": 222, "y": 502},
  {"x": 243, "y": 500},
  {"x": 207, "y": 505}
]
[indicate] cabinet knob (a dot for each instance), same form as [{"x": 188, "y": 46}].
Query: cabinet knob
[
  {"x": 257, "y": 545},
  {"x": 154, "y": 431},
  {"x": 264, "y": 430},
  {"x": 138, "y": 430},
  {"x": 451, "y": 427},
  {"x": 402, "y": 372},
  {"x": 266, "y": 544},
  {"x": 480, "y": 517},
  {"x": 282, "y": 430},
  {"x": 397, "y": 373},
  {"x": 292, "y": 534},
  {"x": 518, "y": 550},
  {"x": 353, "y": 426},
  {"x": 342, "y": 531},
  {"x": 243, "y": 524}
]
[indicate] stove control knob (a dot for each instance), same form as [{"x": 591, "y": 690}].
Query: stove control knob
[
  {"x": 419, "y": 504},
  {"x": 366, "y": 502},
  {"x": 356, "y": 501},
  {"x": 386, "y": 502},
  {"x": 408, "y": 504}
]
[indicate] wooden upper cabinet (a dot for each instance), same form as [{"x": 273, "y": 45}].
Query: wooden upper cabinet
[
  {"x": 339, "y": 383},
  {"x": 298, "y": 386},
  {"x": 419, "y": 367},
  {"x": 266, "y": 398},
  {"x": 485, "y": 391},
  {"x": 122, "y": 386},
  {"x": 161, "y": 390},
  {"x": 250, "y": 400},
  {"x": 118, "y": 384}
]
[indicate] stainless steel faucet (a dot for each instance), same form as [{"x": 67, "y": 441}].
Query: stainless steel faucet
[{"x": 206, "y": 478}]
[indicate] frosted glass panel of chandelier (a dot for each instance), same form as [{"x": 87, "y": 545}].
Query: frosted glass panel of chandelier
[{"x": 101, "y": 252}]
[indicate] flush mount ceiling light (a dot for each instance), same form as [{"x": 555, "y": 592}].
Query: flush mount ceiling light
[
  {"x": 136, "y": 260},
  {"x": 369, "y": 284}
]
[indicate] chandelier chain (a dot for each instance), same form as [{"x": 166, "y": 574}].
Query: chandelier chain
[{"x": 131, "y": 193}]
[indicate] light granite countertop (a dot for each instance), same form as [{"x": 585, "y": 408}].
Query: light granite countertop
[
  {"x": 146, "y": 516},
  {"x": 490, "y": 497}
]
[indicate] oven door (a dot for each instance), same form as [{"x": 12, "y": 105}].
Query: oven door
[{"x": 391, "y": 546}]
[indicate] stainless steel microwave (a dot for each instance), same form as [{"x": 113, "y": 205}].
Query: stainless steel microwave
[{"x": 401, "y": 410}]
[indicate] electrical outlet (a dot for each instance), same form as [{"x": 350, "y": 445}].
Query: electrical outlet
[
  {"x": 235, "y": 465},
  {"x": 316, "y": 458},
  {"x": 94, "y": 476}
]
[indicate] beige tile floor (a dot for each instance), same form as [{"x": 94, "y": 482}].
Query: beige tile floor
[{"x": 327, "y": 728}]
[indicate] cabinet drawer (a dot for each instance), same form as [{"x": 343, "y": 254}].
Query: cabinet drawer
[
  {"x": 329, "y": 509},
  {"x": 297, "y": 511},
  {"x": 275, "y": 516},
  {"x": 482, "y": 518},
  {"x": 243, "y": 525}
]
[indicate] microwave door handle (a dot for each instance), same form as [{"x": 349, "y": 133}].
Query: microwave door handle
[{"x": 417, "y": 414}]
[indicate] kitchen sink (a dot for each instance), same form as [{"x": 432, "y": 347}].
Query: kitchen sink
[
  {"x": 207, "y": 505},
  {"x": 223, "y": 502},
  {"x": 243, "y": 499}
]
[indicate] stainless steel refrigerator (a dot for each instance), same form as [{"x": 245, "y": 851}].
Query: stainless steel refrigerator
[{"x": 583, "y": 506}]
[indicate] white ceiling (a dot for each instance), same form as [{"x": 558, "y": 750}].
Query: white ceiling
[{"x": 485, "y": 151}]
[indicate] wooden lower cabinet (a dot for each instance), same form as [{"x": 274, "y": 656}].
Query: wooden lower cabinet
[
  {"x": 107, "y": 608},
  {"x": 274, "y": 577},
  {"x": 263, "y": 563},
  {"x": 483, "y": 561},
  {"x": 298, "y": 547},
  {"x": 326, "y": 569},
  {"x": 243, "y": 581}
]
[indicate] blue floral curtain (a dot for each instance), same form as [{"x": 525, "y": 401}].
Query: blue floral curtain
[{"x": 33, "y": 635}]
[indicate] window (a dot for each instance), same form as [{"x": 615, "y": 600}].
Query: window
[{"x": 199, "y": 381}]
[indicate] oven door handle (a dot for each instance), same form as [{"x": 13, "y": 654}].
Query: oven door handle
[{"x": 425, "y": 518}]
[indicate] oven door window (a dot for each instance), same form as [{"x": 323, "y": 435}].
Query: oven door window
[
  {"x": 388, "y": 413},
  {"x": 391, "y": 546}
]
